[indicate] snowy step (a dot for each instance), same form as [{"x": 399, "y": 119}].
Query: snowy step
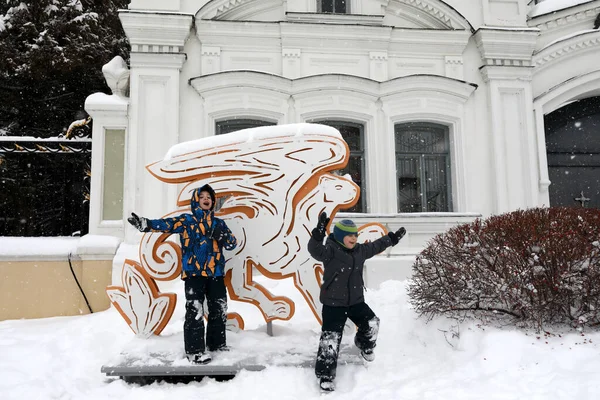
[{"x": 157, "y": 365}]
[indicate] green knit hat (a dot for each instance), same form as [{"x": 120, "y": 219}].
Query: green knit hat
[{"x": 343, "y": 228}]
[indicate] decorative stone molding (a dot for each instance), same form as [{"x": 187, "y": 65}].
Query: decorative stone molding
[
  {"x": 454, "y": 67},
  {"x": 211, "y": 51},
  {"x": 235, "y": 10},
  {"x": 431, "y": 14},
  {"x": 506, "y": 47},
  {"x": 506, "y": 72},
  {"x": 171, "y": 5},
  {"x": 335, "y": 19},
  {"x": 582, "y": 41},
  {"x": 116, "y": 75},
  {"x": 582, "y": 12},
  {"x": 458, "y": 90},
  {"x": 157, "y": 60},
  {"x": 378, "y": 65},
  {"x": 290, "y": 53},
  {"x": 156, "y": 32},
  {"x": 428, "y": 42},
  {"x": 378, "y": 56}
]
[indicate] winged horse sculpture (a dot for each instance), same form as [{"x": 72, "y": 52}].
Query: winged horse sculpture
[{"x": 276, "y": 181}]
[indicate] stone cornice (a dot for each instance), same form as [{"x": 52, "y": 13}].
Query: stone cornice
[
  {"x": 555, "y": 19},
  {"x": 506, "y": 72},
  {"x": 156, "y": 32},
  {"x": 506, "y": 46},
  {"x": 335, "y": 19},
  {"x": 101, "y": 105},
  {"x": 343, "y": 39},
  {"x": 459, "y": 90},
  {"x": 416, "y": 41},
  {"x": 157, "y": 60},
  {"x": 581, "y": 41}
]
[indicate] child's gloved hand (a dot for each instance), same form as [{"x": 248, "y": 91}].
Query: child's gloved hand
[
  {"x": 218, "y": 234},
  {"x": 319, "y": 232},
  {"x": 140, "y": 223},
  {"x": 396, "y": 236}
]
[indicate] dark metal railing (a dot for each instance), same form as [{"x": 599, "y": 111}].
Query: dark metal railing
[{"x": 44, "y": 186}]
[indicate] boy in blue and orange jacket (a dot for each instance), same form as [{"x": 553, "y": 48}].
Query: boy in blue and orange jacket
[{"x": 203, "y": 238}]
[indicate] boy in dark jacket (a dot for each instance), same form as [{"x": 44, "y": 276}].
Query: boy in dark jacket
[
  {"x": 203, "y": 237},
  {"x": 342, "y": 292}
]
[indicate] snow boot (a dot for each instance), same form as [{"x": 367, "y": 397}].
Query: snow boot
[
  {"x": 222, "y": 348},
  {"x": 201, "y": 358},
  {"x": 326, "y": 384},
  {"x": 368, "y": 354}
]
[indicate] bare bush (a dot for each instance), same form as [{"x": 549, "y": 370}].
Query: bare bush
[{"x": 540, "y": 266}]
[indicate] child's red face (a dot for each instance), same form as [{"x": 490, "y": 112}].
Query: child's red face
[
  {"x": 205, "y": 201},
  {"x": 350, "y": 240}
]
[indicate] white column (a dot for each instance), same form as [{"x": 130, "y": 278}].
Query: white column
[
  {"x": 507, "y": 72},
  {"x": 543, "y": 196},
  {"x": 157, "y": 41},
  {"x": 108, "y": 112},
  {"x": 154, "y": 128}
]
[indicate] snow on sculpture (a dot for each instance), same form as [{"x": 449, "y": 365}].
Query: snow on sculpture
[{"x": 276, "y": 182}]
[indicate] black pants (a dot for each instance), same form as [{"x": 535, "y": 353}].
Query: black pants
[
  {"x": 196, "y": 288},
  {"x": 334, "y": 319}
]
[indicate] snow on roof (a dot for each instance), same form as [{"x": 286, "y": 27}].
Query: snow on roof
[{"x": 250, "y": 134}]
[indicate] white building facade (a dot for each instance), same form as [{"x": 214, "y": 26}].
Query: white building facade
[{"x": 452, "y": 109}]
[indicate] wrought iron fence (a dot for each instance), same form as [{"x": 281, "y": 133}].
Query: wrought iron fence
[{"x": 44, "y": 186}]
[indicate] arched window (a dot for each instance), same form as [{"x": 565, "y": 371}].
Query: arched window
[
  {"x": 353, "y": 135},
  {"x": 236, "y": 124},
  {"x": 423, "y": 167},
  {"x": 333, "y": 6}
]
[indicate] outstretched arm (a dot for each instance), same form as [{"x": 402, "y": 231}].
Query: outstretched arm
[
  {"x": 169, "y": 225},
  {"x": 379, "y": 245}
]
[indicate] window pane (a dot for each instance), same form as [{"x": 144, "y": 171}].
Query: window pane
[
  {"x": 354, "y": 168},
  {"x": 436, "y": 188},
  {"x": 114, "y": 167},
  {"x": 352, "y": 136},
  {"x": 412, "y": 138},
  {"x": 423, "y": 167},
  {"x": 235, "y": 124},
  {"x": 352, "y": 133},
  {"x": 326, "y": 6},
  {"x": 409, "y": 184},
  {"x": 340, "y": 6}
]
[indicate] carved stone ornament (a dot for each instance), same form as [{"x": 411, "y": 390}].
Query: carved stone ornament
[
  {"x": 116, "y": 75},
  {"x": 276, "y": 181}
]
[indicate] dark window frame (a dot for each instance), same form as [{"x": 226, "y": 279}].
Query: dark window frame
[
  {"x": 333, "y": 6},
  {"x": 236, "y": 124},
  {"x": 361, "y": 205},
  {"x": 421, "y": 158}
]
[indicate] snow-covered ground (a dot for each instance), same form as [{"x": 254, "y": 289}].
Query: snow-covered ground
[{"x": 61, "y": 358}]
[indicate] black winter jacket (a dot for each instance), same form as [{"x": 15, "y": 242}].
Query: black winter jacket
[{"x": 343, "y": 276}]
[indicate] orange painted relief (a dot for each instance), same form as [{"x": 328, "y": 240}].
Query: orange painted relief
[{"x": 276, "y": 180}]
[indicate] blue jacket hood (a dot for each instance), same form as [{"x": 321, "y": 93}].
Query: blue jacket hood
[{"x": 195, "y": 201}]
